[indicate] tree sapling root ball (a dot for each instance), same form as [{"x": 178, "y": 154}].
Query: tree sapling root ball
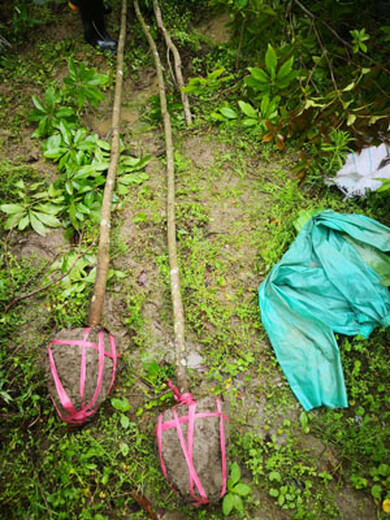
[
  {"x": 80, "y": 371},
  {"x": 191, "y": 440}
]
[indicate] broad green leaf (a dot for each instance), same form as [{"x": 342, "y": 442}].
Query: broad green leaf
[
  {"x": 227, "y": 504},
  {"x": 247, "y": 109},
  {"x": 271, "y": 60},
  {"x": 11, "y": 209},
  {"x": 48, "y": 220},
  {"x": 103, "y": 145},
  {"x": 37, "y": 225},
  {"x": 125, "y": 422},
  {"x": 23, "y": 223},
  {"x": 351, "y": 119},
  {"x": 349, "y": 87},
  {"x": 259, "y": 75},
  {"x": 66, "y": 132},
  {"x": 274, "y": 492},
  {"x": 229, "y": 113},
  {"x": 285, "y": 69},
  {"x": 264, "y": 105},
  {"x": 242, "y": 489},
  {"x": 235, "y": 473},
  {"x": 38, "y": 105},
  {"x": 248, "y": 122},
  {"x": 64, "y": 112},
  {"x": 304, "y": 422},
  {"x": 238, "y": 503},
  {"x": 51, "y": 209},
  {"x": 72, "y": 68},
  {"x": 11, "y": 221},
  {"x": 376, "y": 491},
  {"x": 385, "y": 186},
  {"x": 35, "y": 115}
]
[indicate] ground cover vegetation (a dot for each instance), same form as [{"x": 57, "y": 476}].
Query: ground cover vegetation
[{"x": 280, "y": 91}]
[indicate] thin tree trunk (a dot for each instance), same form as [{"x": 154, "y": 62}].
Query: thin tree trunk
[
  {"x": 177, "y": 61},
  {"x": 178, "y": 314},
  {"x": 103, "y": 259}
]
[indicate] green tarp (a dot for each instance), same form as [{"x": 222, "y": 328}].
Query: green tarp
[{"x": 331, "y": 280}]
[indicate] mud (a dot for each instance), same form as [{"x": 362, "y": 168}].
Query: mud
[
  {"x": 67, "y": 360},
  {"x": 206, "y": 451}
]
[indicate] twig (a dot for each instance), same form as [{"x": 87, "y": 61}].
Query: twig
[
  {"x": 318, "y": 36},
  {"x": 103, "y": 259},
  {"x": 241, "y": 37},
  {"x": 18, "y": 299},
  {"x": 178, "y": 314},
  {"x": 143, "y": 502},
  {"x": 177, "y": 61}
]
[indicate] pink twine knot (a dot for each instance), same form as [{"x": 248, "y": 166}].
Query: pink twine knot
[{"x": 186, "y": 398}]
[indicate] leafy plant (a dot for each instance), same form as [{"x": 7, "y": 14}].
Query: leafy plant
[
  {"x": 71, "y": 148},
  {"x": 37, "y": 208},
  {"x": 49, "y": 114},
  {"x": 358, "y": 39},
  {"x": 203, "y": 88},
  {"x": 274, "y": 78},
  {"x": 337, "y": 148},
  {"x": 122, "y": 405},
  {"x": 81, "y": 277},
  {"x": 236, "y": 491},
  {"x": 82, "y": 84}
]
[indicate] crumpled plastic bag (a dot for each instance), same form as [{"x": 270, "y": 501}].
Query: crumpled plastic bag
[
  {"x": 323, "y": 285},
  {"x": 361, "y": 171}
]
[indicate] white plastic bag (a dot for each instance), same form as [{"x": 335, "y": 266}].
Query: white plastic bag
[{"x": 360, "y": 171}]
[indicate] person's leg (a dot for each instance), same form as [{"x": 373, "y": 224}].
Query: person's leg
[{"x": 95, "y": 32}]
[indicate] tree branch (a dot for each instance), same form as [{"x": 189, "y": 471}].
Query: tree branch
[
  {"x": 178, "y": 314},
  {"x": 103, "y": 259},
  {"x": 177, "y": 61}
]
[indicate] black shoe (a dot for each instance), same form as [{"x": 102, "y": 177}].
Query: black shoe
[{"x": 102, "y": 41}]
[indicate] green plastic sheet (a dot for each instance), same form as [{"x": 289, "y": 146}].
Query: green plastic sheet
[{"x": 326, "y": 283}]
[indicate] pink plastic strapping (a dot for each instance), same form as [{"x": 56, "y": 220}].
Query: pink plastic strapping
[
  {"x": 74, "y": 416},
  {"x": 187, "y": 447}
]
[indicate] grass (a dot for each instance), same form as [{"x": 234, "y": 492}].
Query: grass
[{"x": 236, "y": 202}]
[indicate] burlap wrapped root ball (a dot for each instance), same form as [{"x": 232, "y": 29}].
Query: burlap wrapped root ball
[
  {"x": 208, "y": 457},
  {"x": 66, "y": 366}
]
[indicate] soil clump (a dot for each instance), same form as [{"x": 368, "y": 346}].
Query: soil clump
[
  {"x": 207, "y": 457},
  {"x": 67, "y": 359}
]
